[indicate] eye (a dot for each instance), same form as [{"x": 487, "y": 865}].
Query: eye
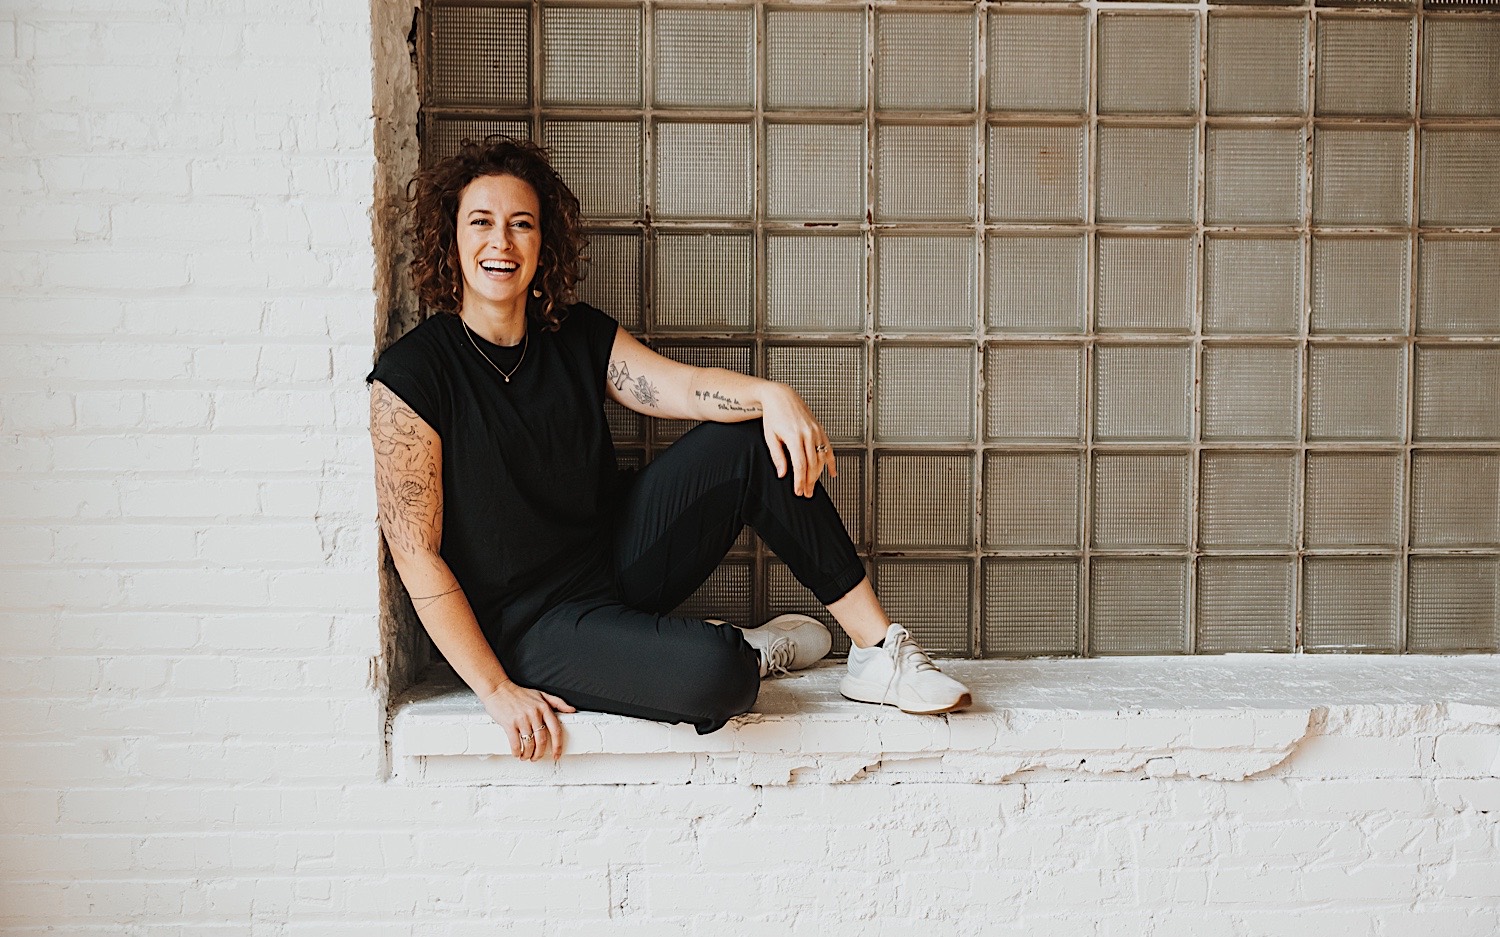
[
  {"x": 524, "y": 224},
  {"x": 480, "y": 221}
]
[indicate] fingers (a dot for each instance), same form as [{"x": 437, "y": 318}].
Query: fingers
[
  {"x": 554, "y": 734},
  {"x": 778, "y": 455}
]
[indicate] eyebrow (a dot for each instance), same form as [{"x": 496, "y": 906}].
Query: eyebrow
[{"x": 486, "y": 211}]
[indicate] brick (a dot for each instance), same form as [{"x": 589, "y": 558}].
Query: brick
[
  {"x": 259, "y": 545},
  {"x": 122, "y": 453},
  {"x": 36, "y": 413},
  {"x": 141, "y": 543}
]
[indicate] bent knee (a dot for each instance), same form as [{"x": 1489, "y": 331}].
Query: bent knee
[{"x": 724, "y": 682}]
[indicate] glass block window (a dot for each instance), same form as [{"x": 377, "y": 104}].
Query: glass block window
[{"x": 1137, "y": 328}]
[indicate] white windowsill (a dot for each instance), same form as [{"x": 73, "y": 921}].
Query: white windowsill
[{"x": 1230, "y": 718}]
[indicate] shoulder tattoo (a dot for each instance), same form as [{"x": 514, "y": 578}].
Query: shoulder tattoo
[
  {"x": 640, "y": 388},
  {"x": 408, "y": 483}
]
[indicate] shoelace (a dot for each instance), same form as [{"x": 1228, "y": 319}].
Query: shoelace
[
  {"x": 779, "y": 656},
  {"x": 903, "y": 650}
]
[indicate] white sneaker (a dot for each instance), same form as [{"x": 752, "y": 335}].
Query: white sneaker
[
  {"x": 789, "y": 642},
  {"x": 899, "y": 673}
]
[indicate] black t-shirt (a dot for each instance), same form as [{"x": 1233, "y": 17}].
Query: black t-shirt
[{"x": 528, "y": 466}]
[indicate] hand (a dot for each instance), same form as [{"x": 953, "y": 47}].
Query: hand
[
  {"x": 796, "y": 439},
  {"x": 521, "y": 711}
]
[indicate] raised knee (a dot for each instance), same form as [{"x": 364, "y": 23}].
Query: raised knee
[{"x": 726, "y": 682}]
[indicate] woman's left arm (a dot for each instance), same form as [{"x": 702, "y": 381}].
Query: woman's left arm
[{"x": 655, "y": 385}]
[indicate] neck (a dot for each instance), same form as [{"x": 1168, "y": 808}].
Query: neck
[{"x": 502, "y": 325}]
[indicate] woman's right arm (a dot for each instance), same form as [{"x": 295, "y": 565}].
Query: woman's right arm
[{"x": 409, "y": 495}]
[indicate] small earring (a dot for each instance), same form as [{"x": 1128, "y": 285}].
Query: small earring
[{"x": 537, "y": 293}]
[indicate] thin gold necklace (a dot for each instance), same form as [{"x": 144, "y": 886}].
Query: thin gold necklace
[{"x": 525, "y": 342}]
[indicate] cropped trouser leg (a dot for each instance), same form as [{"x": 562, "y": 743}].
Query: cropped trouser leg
[{"x": 624, "y": 653}]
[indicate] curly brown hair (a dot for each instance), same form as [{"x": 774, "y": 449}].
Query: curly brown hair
[{"x": 433, "y": 194}]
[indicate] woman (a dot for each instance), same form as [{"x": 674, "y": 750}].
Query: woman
[{"x": 544, "y": 577}]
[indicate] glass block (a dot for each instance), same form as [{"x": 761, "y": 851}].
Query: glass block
[
  {"x": 1460, "y": 177},
  {"x": 1251, "y": 392},
  {"x": 705, "y": 282},
  {"x": 1360, "y": 285},
  {"x": 924, "y": 61},
  {"x": 1353, "y": 499},
  {"x": 847, "y": 490},
  {"x": 1356, "y": 392},
  {"x": 1362, "y": 177},
  {"x": 1452, "y": 604},
  {"x": 1138, "y": 606},
  {"x": 924, "y": 501},
  {"x": 1036, "y": 174},
  {"x": 1032, "y": 500},
  {"x": 1146, "y": 284},
  {"x": 628, "y": 459},
  {"x": 704, "y": 58},
  {"x": 1455, "y": 499},
  {"x": 1459, "y": 64},
  {"x": 931, "y": 598},
  {"x": 625, "y": 425},
  {"x": 1038, "y": 62},
  {"x": 1349, "y": 603},
  {"x": 1030, "y": 607},
  {"x": 704, "y": 170},
  {"x": 926, "y": 284},
  {"x": 1257, "y": 64},
  {"x": 1143, "y": 392},
  {"x": 815, "y": 284},
  {"x": 611, "y": 276},
  {"x": 1245, "y": 604},
  {"x": 1148, "y": 63},
  {"x": 1246, "y": 500},
  {"x": 1364, "y": 66},
  {"x": 925, "y": 173},
  {"x": 784, "y": 594},
  {"x": 444, "y": 135},
  {"x": 731, "y": 357},
  {"x": 481, "y": 55},
  {"x": 1146, "y": 174},
  {"x": 924, "y": 393},
  {"x": 1458, "y": 392},
  {"x": 1252, "y": 286},
  {"x": 601, "y": 162},
  {"x": 1457, "y": 282},
  {"x": 830, "y": 378},
  {"x": 815, "y": 171},
  {"x": 726, "y": 595},
  {"x": 1036, "y": 284},
  {"x": 815, "y": 59},
  {"x": 592, "y": 55},
  {"x": 1033, "y": 392},
  {"x": 1140, "y": 501},
  {"x": 1254, "y": 177}
]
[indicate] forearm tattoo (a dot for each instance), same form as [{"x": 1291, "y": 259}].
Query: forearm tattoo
[
  {"x": 408, "y": 484},
  {"x": 727, "y": 404},
  {"x": 641, "y": 389}
]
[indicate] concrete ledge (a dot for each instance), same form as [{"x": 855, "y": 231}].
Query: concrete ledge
[{"x": 1227, "y": 718}]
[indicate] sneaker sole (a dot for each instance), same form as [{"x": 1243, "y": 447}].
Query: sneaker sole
[{"x": 862, "y": 692}]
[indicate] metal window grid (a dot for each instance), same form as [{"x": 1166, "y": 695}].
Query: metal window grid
[{"x": 1132, "y": 580}]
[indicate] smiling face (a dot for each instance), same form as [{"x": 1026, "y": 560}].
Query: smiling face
[{"x": 499, "y": 240}]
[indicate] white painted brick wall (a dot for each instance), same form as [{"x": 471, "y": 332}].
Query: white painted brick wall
[{"x": 191, "y": 732}]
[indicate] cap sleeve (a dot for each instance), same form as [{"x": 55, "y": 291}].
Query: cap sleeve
[
  {"x": 414, "y": 378},
  {"x": 599, "y": 329}
]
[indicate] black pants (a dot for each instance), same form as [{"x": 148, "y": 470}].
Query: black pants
[{"x": 618, "y": 651}]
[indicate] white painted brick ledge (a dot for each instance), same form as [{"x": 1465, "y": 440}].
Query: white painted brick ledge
[{"x": 1223, "y": 718}]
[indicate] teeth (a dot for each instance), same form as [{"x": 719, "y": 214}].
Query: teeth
[{"x": 498, "y": 267}]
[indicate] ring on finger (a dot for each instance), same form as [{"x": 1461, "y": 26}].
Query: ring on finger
[{"x": 822, "y": 448}]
